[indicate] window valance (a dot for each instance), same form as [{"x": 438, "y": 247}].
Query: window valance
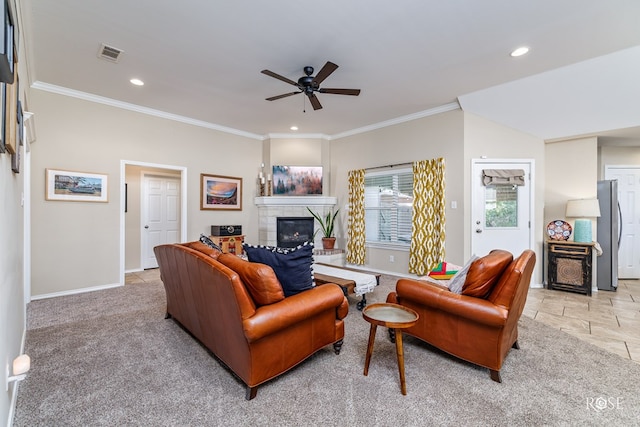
[{"x": 503, "y": 176}]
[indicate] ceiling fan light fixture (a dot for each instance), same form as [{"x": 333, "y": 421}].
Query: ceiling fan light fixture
[{"x": 523, "y": 50}]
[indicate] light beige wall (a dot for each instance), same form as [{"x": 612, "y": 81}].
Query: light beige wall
[
  {"x": 300, "y": 152},
  {"x": 431, "y": 137},
  {"x": 571, "y": 173},
  {"x": 77, "y": 244},
  {"x": 623, "y": 156},
  {"x": 491, "y": 140},
  {"x": 12, "y": 305}
]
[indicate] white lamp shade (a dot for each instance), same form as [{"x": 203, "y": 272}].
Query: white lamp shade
[{"x": 583, "y": 208}]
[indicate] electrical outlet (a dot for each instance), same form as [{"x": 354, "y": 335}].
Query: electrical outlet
[{"x": 392, "y": 258}]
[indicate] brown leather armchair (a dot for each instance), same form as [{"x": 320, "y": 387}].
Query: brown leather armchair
[{"x": 478, "y": 330}]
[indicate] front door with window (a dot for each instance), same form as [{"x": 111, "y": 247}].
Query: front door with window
[{"x": 501, "y": 213}]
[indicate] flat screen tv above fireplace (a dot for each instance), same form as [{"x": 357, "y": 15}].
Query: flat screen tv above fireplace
[{"x": 293, "y": 231}]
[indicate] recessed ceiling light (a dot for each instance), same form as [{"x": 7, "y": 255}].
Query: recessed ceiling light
[
  {"x": 520, "y": 51},
  {"x": 294, "y": 128},
  {"x": 137, "y": 82}
]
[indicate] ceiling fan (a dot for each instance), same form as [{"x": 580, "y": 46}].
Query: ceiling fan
[{"x": 309, "y": 85}]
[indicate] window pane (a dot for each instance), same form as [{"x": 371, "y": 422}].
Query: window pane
[
  {"x": 501, "y": 206},
  {"x": 388, "y": 207}
]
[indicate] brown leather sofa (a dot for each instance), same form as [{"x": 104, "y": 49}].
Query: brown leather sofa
[
  {"x": 238, "y": 311},
  {"x": 478, "y": 329}
]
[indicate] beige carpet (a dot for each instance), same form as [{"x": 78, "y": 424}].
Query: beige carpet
[{"x": 110, "y": 358}]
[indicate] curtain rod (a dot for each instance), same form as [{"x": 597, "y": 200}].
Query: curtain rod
[{"x": 390, "y": 166}]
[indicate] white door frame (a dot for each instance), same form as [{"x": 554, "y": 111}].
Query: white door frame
[
  {"x": 532, "y": 164},
  {"x": 183, "y": 202}
]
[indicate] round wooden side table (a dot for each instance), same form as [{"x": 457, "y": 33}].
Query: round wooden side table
[{"x": 391, "y": 316}]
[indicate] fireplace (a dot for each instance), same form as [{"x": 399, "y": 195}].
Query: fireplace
[{"x": 294, "y": 230}]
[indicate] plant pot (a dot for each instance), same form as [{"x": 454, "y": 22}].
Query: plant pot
[{"x": 328, "y": 242}]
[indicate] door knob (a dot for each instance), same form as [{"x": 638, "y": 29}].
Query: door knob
[
  {"x": 478, "y": 230},
  {"x": 146, "y": 226}
]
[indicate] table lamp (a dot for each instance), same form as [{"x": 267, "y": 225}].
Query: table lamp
[{"x": 583, "y": 210}]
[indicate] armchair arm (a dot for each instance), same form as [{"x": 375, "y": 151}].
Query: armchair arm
[
  {"x": 440, "y": 298},
  {"x": 291, "y": 310}
]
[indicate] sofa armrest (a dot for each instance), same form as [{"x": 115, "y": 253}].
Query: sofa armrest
[
  {"x": 440, "y": 298},
  {"x": 275, "y": 317}
]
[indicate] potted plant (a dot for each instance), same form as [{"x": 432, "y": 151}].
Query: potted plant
[{"x": 326, "y": 224}]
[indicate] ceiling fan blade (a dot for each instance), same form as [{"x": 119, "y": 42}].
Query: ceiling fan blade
[
  {"x": 353, "y": 92},
  {"x": 279, "y": 77},
  {"x": 284, "y": 95},
  {"x": 325, "y": 72},
  {"x": 314, "y": 101}
]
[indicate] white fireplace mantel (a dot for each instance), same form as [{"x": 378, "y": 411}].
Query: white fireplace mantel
[
  {"x": 295, "y": 201},
  {"x": 272, "y": 207}
]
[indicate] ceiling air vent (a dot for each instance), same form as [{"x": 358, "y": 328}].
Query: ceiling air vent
[{"x": 109, "y": 53}]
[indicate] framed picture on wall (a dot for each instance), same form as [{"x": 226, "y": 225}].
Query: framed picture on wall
[
  {"x": 297, "y": 180},
  {"x": 76, "y": 186},
  {"x": 220, "y": 192}
]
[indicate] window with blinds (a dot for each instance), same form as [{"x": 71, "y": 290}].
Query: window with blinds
[{"x": 388, "y": 204}]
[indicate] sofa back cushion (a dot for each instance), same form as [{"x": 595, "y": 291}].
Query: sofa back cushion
[
  {"x": 201, "y": 247},
  {"x": 485, "y": 272},
  {"x": 259, "y": 279}
]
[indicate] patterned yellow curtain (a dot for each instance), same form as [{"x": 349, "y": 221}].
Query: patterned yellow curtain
[
  {"x": 428, "y": 222},
  {"x": 355, "y": 223}
]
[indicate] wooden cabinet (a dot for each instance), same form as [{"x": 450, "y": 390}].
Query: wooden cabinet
[
  {"x": 570, "y": 266},
  {"x": 230, "y": 244}
]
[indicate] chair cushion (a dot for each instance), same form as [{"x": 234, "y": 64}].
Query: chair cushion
[
  {"x": 485, "y": 272},
  {"x": 205, "y": 249},
  {"x": 291, "y": 265},
  {"x": 457, "y": 281},
  {"x": 259, "y": 279}
]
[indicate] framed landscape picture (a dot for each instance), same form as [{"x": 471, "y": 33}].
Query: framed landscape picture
[
  {"x": 76, "y": 186},
  {"x": 220, "y": 192},
  {"x": 297, "y": 180}
]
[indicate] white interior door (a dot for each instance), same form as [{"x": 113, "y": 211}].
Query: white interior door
[
  {"x": 160, "y": 215},
  {"x": 629, "y": 200},
  {"x": 501, "y": 215}
]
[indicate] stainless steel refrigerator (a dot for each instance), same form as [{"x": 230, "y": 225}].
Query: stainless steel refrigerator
[{"x": 609, "y": 232}]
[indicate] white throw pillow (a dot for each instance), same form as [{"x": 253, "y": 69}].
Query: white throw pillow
[{"x": 457, "y": 281}]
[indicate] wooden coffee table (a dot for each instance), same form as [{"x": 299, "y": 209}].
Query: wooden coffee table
[
  {"x": 395, "y": 317},
  {"x": 348, "y": 286}
]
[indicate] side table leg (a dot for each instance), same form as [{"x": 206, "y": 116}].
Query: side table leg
[
  {"x": 372, "y": 338},
  {"x": 400, "y": 354}
]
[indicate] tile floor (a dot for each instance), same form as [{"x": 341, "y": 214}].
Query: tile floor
[{"x": 610, "y": 320}]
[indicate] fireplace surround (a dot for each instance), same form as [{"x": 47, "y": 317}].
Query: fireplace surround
[{"x": 272, "y": 207}]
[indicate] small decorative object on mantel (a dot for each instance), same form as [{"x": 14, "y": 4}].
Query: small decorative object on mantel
[{"x": 326, "y": 224}]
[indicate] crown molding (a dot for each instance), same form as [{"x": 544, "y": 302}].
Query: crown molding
[
  {"x": 60, "y": 90},
  {"x": 297, "y": 136},
  {"x": 139, "y": 109},
  {"x": 420, "y": 114}
]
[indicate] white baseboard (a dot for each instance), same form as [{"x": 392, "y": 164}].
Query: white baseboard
[{"x": 76, "y": 291}]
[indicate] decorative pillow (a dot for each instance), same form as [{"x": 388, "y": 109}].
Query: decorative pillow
[
  {"x": 457, "y": 281},
  {"x": 291, "y": 265},
  {"x": 485, "y": 272},
  {"x": 207, "y": 241},
  {"x": 444, "y": 271},
  {"x": 259, "y": 279}
]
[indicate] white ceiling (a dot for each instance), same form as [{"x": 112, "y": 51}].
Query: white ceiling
[{"x": 201, "y": 59}]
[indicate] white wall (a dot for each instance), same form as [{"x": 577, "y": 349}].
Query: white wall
[
  {"x": 571, "y": 173},
  {"x": 76, "y": 244},
  {"x": 431, "y": 137},
  {"x": 486, "y": 138}
]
